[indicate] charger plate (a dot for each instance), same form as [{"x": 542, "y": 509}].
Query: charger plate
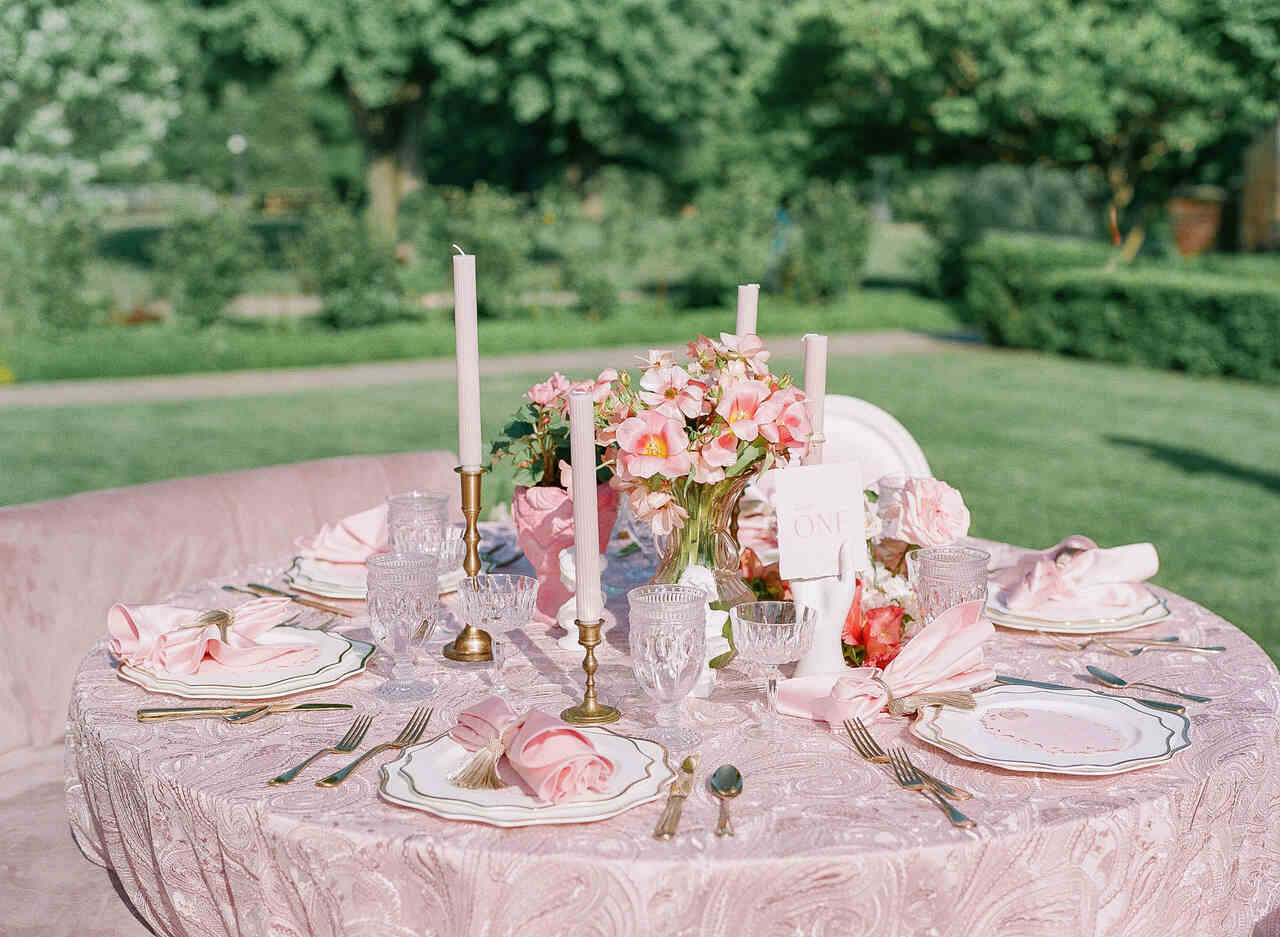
[
  {"x": 1156, "y": 611},
  {"x": 1071, "y": 731},
  {"x": 337, "y": 658},
  {"x": 419, "y": 778},
  {"x": 309, "y": 576}
]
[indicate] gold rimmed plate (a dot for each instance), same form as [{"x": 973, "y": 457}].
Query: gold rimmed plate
[
  {"x": 420, "y": 779},
  {"x": 1072, "y": 731},
  {"x": 337, "y": 657}
]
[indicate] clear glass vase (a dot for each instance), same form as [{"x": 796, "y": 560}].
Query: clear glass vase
[{"x": 706, "y": 539}]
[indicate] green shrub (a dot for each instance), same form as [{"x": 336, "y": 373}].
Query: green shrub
[
  {"x": 204, "y": 262},
  {"x": 354, "y": 272},
  {"x": 726, "y": 237},
  {"x": 958, "y": 206},
  {"x": 44, "y": 251},
  {"x": 826, "y": 258},
  {"x": 485, "y": 221},
  {"x": 1063, "y": 298},
  {"x": 596, "y": 289}
]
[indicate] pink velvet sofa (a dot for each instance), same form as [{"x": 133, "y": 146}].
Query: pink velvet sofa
[{"x": 62, "y": 564}]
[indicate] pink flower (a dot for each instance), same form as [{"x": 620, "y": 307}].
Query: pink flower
[
  {"x": 659, "y": 508},
  {"x": 703, "y": 350},
  {"x": 657, "y": 358},
  {"x": 653, "y": 444},
  {"x": 738, "y": 406},
  {"x": 923, "y": 511},
  {"x": 670, "y": 390},
  {"x": 750, "y": 347},
  {"x": 601, "y": 387},
  {"x": 550, "y": 392},
  {"x": 788, "y": 419}
]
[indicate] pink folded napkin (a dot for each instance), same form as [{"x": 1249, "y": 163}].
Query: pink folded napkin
[
  {"x": 165, "y": 639},
  {"x": 944, "y": 657},
  {"x": 553, "y": 758},
  {"x": 352, "y": 540},
  {"x": 1076, "y": 579}
]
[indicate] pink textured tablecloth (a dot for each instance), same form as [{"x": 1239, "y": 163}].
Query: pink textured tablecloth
[{"x": 825, "y": 845}]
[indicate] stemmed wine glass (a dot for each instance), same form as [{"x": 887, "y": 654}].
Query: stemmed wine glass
[
  {"x": 772, "y": 633},
  {"x": 498, "y": 604},
  {"x": 403, "y": 611},
  {"x": 668, "y": 652}
]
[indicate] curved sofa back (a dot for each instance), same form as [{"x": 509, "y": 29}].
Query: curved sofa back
[{"x": 64, "y": 562}]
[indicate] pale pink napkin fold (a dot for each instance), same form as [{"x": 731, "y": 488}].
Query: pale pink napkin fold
[
  {"x": 163, "y": 640},
  {"x": 945, "y": 656},
  {"x": 553, "y": 758},
  {"x": 1077, "y": 579},
  {"x": 352, "y": 540}
]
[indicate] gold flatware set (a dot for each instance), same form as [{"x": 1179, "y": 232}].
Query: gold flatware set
[
  {"x": 237, "y": 714},
  {"x": 907, "y": 775}
]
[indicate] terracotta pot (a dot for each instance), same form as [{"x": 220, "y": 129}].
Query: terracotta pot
[
  {"x": 1195, "y": 219},
  {"x": 543, "y": 519}
]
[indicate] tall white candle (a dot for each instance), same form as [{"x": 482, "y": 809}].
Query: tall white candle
[
  {"x": 815, "y": 390},
  {"x": 586, "y": 515},
  {"x": 748, "y": 306},
  {"x": 468, "y": 351}
]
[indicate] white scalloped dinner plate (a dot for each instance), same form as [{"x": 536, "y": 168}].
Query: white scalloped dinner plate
[
  {"x": 1075, "y": 731},
  {"x": 303, "y": 580},
  {"x": 339, "y": 657},
  {"x": 419, "y": 778},
  {"x": 1157, "y": 611}
]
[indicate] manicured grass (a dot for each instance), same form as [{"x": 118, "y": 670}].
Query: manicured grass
[
  {"x": 1040, "y": 446},
  {"x": 133, "y": 351}
]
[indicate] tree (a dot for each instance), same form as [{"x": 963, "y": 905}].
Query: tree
[
  {"x": 1142, "y": 92},
  {"x": 632, "y": 81},
  {"x": 87, "y": 88}
]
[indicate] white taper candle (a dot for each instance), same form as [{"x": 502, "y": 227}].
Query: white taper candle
[
  {"x": 468, "y": 351},
  {"x": 748, "y": 307},
  {"x": 815, "y": 390},
  {"x": 586, "y": 514}
]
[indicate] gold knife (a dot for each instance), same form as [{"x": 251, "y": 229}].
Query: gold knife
[
  {"x": 260, "y": 589},
  {"x": 681, "y": 788},
  {"x": 205, "y": 712}
]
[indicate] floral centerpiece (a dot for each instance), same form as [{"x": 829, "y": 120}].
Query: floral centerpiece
[
  {"x": 536, "y": 441},
  {"x": 687, "y": 438},
  {"x": 902, "y": 514}
]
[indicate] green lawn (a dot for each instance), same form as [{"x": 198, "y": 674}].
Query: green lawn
[
  {"x": 132, "y": 351},
  {"x": 1040, "y": 446}
]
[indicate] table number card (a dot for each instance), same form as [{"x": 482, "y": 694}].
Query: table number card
[{"x": 819, "y": 507}]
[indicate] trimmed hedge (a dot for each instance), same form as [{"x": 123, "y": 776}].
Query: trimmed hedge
[{"x": 1061, "y": 297}]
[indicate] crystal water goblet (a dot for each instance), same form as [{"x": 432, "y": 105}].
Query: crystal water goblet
[
  {"x": 498, "y": 604},
  {"x": 944, "y": 577},
  {"x": 668, "y": 627},
  {"x": 417, "y": 521},
  {"x": 403, "y": 611},
  {"x": 772, "y": 633}
]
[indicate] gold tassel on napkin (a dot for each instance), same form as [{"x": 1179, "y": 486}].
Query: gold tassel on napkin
[
  {"x": 906, "y": 705},
  {"x": 481, "y": 772}
]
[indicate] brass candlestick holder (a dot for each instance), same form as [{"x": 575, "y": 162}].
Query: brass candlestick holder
[
  {"x": 590, "y": 712},
  {"x": 471, "y": 645}
]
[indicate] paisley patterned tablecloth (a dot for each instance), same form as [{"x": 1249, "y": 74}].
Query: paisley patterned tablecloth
[{"x": 826, "y": 845}]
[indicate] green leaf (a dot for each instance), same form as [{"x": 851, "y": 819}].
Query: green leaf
[
  {"x": 750, "y": 455},
  {"x": 629, "y": 549},
  {"x": 854, "y": 654},
  {"x": 722, "y": 660},
  {"x": 518, "y": 428}
]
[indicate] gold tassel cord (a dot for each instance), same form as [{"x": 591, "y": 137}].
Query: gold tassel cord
[{"x": 481, "y": 772}]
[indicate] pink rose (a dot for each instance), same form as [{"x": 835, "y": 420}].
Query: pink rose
[
  {"x": 923, "y": 511},
  {"x": 549, "y": 392},
  {"x": 653, "y": 444}
]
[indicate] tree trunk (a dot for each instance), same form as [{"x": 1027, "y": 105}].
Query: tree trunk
[{"x": 392, "y": 140}]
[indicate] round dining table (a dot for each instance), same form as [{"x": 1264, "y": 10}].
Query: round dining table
[{"x": 826, "y": 843}]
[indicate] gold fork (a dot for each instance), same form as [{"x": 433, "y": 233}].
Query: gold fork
[
  {"x": 908, "y": 777},
  {"x": 346, "y": 744},
  {"x": 412, "y": 731},
  {"x": 870, "y": 750}
]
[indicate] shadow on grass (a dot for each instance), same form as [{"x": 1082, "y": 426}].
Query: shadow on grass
[{"x": 1200, "y": 463}]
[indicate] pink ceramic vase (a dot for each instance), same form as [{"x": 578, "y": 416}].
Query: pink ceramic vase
[{"x": 543, "y": 518}]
